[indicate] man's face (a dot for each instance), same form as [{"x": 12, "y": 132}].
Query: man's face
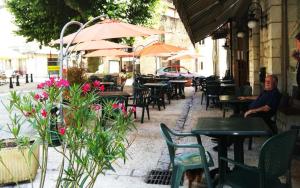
[{"x": 268, "y": 83}]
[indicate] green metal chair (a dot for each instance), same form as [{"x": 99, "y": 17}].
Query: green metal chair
[
  {"x": 186, "y": 161},
  {"x": 274, "y": 162},
  {"x": 141, "y": 99}
]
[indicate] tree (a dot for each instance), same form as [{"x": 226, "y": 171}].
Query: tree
[{"x": 42, "y": 20}]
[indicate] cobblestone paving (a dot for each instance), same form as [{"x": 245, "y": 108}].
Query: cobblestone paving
[{"x": 148, "y": 150}]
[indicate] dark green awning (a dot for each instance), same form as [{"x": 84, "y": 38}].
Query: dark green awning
[{"x": 202, "y": 17}]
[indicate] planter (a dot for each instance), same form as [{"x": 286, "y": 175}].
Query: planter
[
  {"x": 189, "y": 82},
  {"x": 18, "y": 167}
]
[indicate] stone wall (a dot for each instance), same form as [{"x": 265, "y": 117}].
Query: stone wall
[
  {"x": 265, "y": 44},
  {"x": 293, "y": 29}
]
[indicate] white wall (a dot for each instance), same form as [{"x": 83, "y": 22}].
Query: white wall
[{"x": 206, "y": 56}]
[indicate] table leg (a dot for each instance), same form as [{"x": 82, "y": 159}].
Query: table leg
[
  {"x": 222, "y": 152},
  {"x": 181, "y": 90},
  {"x": 239, "y": 149},
  {"x": 175, "y": 88}
]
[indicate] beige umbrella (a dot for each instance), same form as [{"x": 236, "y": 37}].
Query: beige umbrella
[
  {"x": 97, "y": 45},
  {"x": 183, "y": 55},
  {"x": 109, "y": 29},
  {"x": 112, "y": 52},
  {"x": 158, "y": 49}
]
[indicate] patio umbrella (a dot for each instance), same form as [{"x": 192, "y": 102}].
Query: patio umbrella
[
  {"x": 183, "y": 55},
  {"x": 97, "y": 45},
  {"x": 158, "y": 49},
  {"x": 112, "y": 52},
  {"x": 109, "y": 29}
]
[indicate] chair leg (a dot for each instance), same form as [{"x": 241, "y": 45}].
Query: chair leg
[
  {"x": 158, "y": 104},
  {"x": 209, "y": 183},
  {"x": 147, "y": 108},
  {"x": 176, "y": 177},
  {"x": 207, "y": 102},
  {"x": 143, "y": 112},
  {"x": 163, "y": 102}
]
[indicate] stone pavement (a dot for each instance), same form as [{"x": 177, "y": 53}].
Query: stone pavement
[{"x": 149, "y": 150}]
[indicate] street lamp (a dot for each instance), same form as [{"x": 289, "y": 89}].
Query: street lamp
[
  {"x": 240, "y": 34},
  {"x": 255, "y": 14},
  {"x": 64, "y": 52}
]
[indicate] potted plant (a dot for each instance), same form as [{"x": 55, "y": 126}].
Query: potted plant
[
  {"x": 93, "y": 138},
  {"x": 18, "y": 164}
]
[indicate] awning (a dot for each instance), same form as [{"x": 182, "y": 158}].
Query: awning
[{"x": 202, "y": 17}]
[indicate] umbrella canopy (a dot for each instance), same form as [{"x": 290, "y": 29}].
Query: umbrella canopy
[
  {"x": 183, "y": 55},
  {"x": 97, "y": 45},
  {"x": 158, "y": 49},
  {"x": 112, "y": 52},
  {"x": 109, "y": 29}
]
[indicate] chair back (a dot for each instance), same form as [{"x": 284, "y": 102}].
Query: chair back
[
  {"x": 246, "y": 90},
  {"x": 141, "y": 96},
  {"x": 276, "y": 154},
  {"x": 213, "y": 88},
  {"x": 165, "y": 132}
]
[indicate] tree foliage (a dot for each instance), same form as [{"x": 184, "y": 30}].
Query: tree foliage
[{"x": 42, "y": 20}]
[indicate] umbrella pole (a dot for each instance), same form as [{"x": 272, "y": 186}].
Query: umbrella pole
[
  {"x": 62, "y": 55},
  {"x": 155, "y": 65}
]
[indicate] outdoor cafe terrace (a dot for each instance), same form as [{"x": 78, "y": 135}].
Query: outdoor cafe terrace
[{"x": 149, "y": 152}]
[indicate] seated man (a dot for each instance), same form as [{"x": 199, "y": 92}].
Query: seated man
[{"x": 266, "y": 104}]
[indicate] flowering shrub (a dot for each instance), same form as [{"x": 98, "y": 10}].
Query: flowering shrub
[{"x": 93, "y": 138}]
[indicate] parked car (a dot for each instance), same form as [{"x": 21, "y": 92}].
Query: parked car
[{"x": 175, "y": 71}]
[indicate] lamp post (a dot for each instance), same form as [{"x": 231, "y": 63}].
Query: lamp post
[
  {"x": 63, "y": 53},
  {"x": 255, "y": 14}
]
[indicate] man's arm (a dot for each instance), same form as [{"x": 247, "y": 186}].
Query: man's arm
[
  {"x": 248, "y": 97},
  {"x": 264, "y": 108}
]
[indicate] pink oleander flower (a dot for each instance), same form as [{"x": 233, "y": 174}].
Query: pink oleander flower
[
  {"x": 133, "y": 109},
  {"x": 96, "y": 83},
  {"x": 86, "y": 87},
  {"x": 37, "y": 96},
  {"x": 28, "y": 114},
  {"x": 45, "y": 95},
  {"x": 101, "y": 88},
  {"x": 96, "y": 107},
  {"x": 41, "y": 85},
  {"x": 44, "y": 113},
  {"x": 49, "y": 83},
  {"x": 62, "y": 83},
  {"x": 115, "y": 106},
  {"x": 62, "y": 131},
  {"x": 121, "y": 105},
  {"x": 124, "y": 111}
]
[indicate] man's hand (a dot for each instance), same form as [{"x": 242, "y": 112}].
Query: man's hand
[
  {"x": 265, "y": 108},
  {"x": 249, "y": 112}
]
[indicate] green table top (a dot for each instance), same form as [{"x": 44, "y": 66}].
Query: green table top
[
  {"x": 114, "y": 94},
  {"x": 107, "y": 83},
  {"x": 178, "y": 81},
  {"x": 231, "y": 126},
  {"x": 227, "y": 85},
  {"x": 155, "y": 84}
]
